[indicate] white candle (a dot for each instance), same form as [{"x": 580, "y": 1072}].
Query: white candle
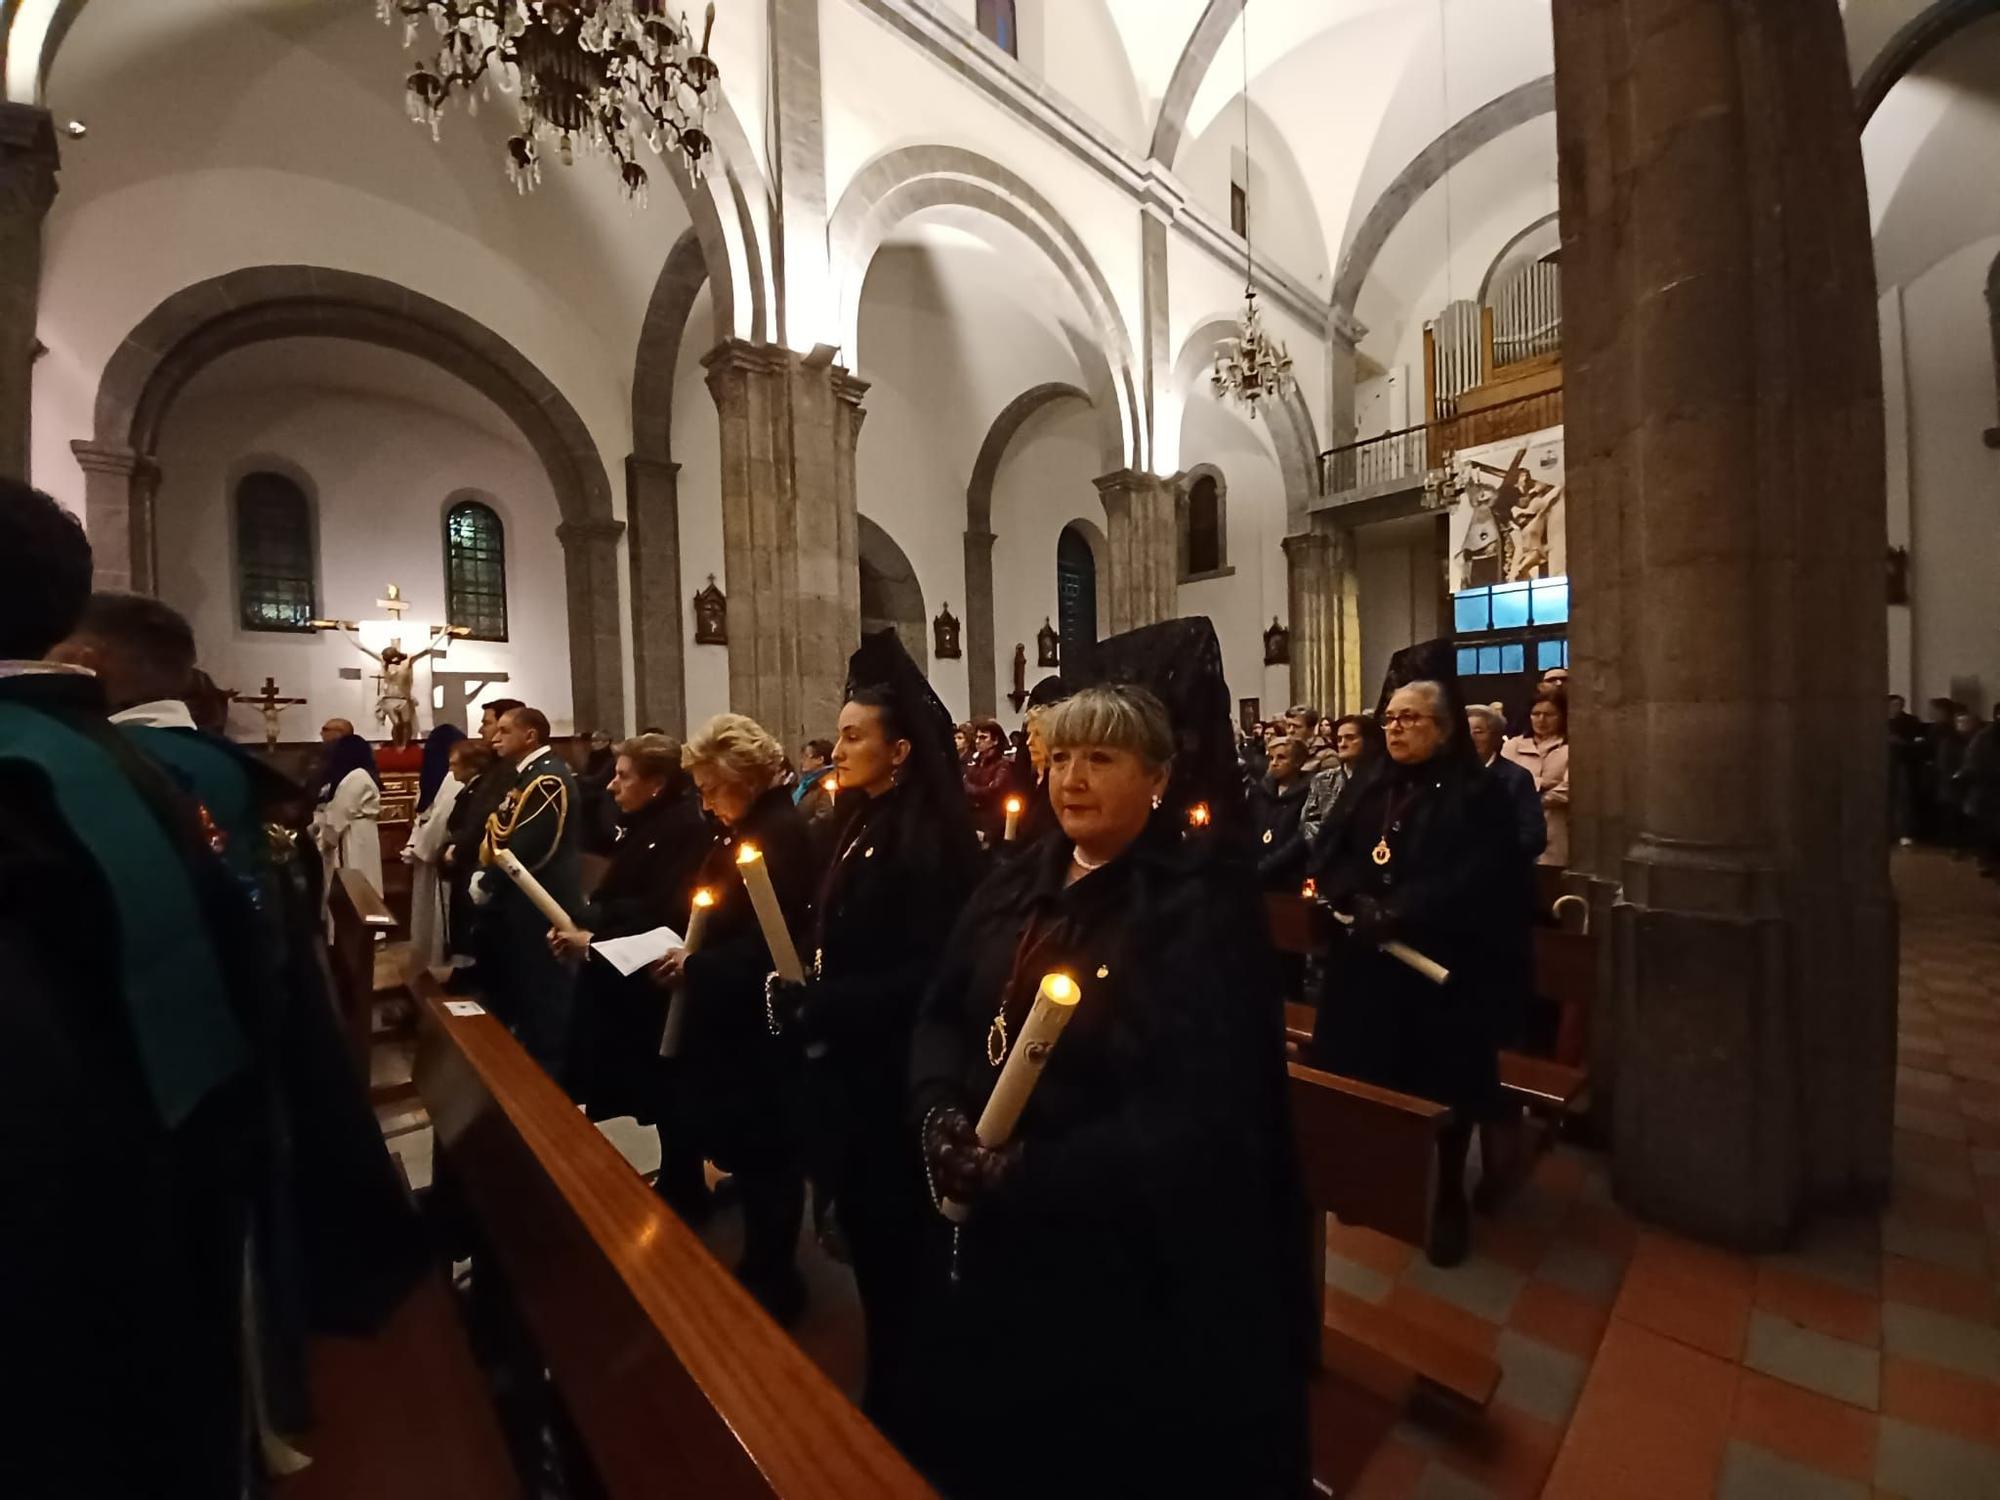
[
  {"x": 1404, "y": 954},
  {"x": 1055, "y": 1003},
  {"x": 1013, "y": 817},
  {"x": 670, "y": 1039},
  {"x": 770, "y": 916},
  {"x": 511, "y": 866}
]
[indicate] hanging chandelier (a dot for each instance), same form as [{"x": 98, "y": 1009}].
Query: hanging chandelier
[
  {"x": 592, "y": 75},
  {"x": 1253, "y": 366}
]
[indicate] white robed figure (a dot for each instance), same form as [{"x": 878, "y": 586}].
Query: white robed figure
[{"x": 347, "y": 823}]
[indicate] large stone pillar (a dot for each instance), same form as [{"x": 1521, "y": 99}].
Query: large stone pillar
[
  {"x": 1726, "y": 529},
  {"x": 981, "y": 659},
  {"x": 28, "y": 162},
  {"x": 791, "y": 553},
  {"x": 1141, "y": 530},
  {"x": 118, "y": 490},
  {"x": 653, "y": 521},
  {"x": 596, "y": 660},
  {"x": 1324, "y": 604}
]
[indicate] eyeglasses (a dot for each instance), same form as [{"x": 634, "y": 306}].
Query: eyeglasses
[{"x": 1405, "y": 720}]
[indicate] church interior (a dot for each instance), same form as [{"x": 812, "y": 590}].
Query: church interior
[{"x": 451, "y": 376}]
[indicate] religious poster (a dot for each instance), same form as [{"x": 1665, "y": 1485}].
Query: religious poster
[{"x": 1507, "y": 523}]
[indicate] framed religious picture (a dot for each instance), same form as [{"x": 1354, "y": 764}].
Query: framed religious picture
[
  {"x": 1048, "y": 645},
  {"x": 711, "y": 616},
  {"x": 1277, "y": 645},
  {"x": 945, "y": 629},
  {"x": 1249, "y": 712}
]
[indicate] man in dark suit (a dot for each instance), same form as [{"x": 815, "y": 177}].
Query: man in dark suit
[
  {"x": 527, "y": 986},
  {"x": 1531, "y": 824}
]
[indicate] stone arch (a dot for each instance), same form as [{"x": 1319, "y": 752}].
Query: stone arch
[
  {"x": 891, "y": 596},
  {"x": 1170, "y": 128},
  {"x": 904, "y": 181},
  {"x": 1499, "y": 262},
  {"x": 200, "y": 323},
  {"x": 1912, "y": 42},
  {"x": 981, "y": 660},
  {"x": 1093, "y": 537},
  {"x": 1289, "y": 420}
]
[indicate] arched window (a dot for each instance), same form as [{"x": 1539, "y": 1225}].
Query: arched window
[
  {"x": 996, "y": 24},
  {"x": 1204, "y": 536},
  {"x": 475, "y": 571},
  {"x": 1076, "y": 594},
  {"x": 274, "y": 553}
]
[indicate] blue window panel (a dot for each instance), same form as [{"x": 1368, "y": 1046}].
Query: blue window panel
[
  {"x": 1468, "y": 661},
  {"x": 1489, "y": 660},
  {"x": 1469, "y": 610},
  {"x": 1510, "y": 606},
  {"x": 1551, "y": 601},
  {"x": 1551, "y": 654},
  {"x": 1513, "y": 658}
]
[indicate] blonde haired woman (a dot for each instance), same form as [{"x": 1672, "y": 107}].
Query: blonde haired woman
[{"x": 740, "y": 1079}]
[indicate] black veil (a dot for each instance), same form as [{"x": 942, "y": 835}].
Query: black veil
[
  {"x": 1181, "y": 662},
  {"x": 1432, "y": 661},
  {"x": 932, "y": 780}
]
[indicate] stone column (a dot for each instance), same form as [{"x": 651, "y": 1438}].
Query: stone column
[
  {"x": 596, "y": 660},
  {"x": 1726, "y": 532},
  {"x": 28, "y": 162},
  {"x": 653, "y": 521},
  {"x": 791, "y": 553},
  {"x": 118, "y": 490},
  {"x": 1140, "y": 528},
  {"x": 1324, "y": 616},
  {"x": 981, "y": 662}
]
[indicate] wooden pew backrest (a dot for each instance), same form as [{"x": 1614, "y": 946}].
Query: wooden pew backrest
[
  {"x": 358, "y": 915},
  {"x": 1369, "y": 1154},
  {"x": 677, "y": 1381}
]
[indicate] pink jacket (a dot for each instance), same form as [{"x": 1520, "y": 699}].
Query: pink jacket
[{"x": 1549, "y": 765}]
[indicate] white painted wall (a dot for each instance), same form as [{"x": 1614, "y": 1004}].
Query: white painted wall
[
  {"x": 698, "y": 450},
  {"x": 384, "y": 449}
]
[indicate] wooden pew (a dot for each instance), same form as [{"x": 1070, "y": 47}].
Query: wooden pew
[
  {"x": 1369, "y": 1156},
  {"x": 676, "y": 1382},
  {"x": 359, "y": 915}
]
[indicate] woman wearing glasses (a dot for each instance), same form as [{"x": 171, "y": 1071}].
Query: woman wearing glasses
[{"x": 1427, "y": 857}]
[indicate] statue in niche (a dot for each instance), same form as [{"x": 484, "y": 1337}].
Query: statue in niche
[
  {"x": 945, "y": 629},
  {"x": 1020, "y": 694},
  {"x": 1277, "y": 645},
  {"x": 711, "y": 616},
  {"x": 1048, "y": 645},
  {"x": 1249, "y": 711}
]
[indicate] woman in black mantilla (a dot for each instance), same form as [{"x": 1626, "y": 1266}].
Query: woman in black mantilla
[
  {"x": 1129, "y": 1310},
  {"x": 905, "y": 860},
  {"x": 739, "y": 1082},
  {"x": 1427, "y": 855}
]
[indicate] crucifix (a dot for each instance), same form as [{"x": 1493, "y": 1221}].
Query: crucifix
[
  {"x": 270, "y": 705},
  {"x": 396, "y": 702}
]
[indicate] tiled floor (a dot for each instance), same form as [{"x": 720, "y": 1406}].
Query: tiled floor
[{"x": 1865, "y": 1362}]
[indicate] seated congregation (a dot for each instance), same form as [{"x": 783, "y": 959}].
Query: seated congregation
[{"x": 1066, "y": 1052}]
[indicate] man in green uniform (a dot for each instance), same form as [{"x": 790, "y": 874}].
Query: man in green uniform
[{"x": 528, "y": 987}]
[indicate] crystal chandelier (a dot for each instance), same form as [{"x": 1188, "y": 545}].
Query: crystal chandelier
[
  {"x": 600, "y": 75},
  {"x": 1253, "y": 366}
]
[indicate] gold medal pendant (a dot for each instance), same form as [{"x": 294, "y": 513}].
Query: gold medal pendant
[
  {"x": 1381, "y": 854},
  {"x": 996, "y": 1040}
]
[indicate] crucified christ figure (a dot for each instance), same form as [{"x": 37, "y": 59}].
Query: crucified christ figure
[{"x": 396, "y": 703}]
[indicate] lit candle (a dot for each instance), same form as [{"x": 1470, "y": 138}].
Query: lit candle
[
  {"x": 770, "y": 916},
  {"x": 1309, "y": 890},
  {"x": 1198, "y": 815},
  {"x": 1055, "y": 1003},
  {"x": 1013, "y": 817},
  {"x": 670, "y": 1039}
]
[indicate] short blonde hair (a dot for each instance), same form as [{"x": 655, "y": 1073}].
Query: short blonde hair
[
  {"x": 739, "y": 747},
  {"x": 657, "y": 757},
  {"x": 1120, "y": 715}
]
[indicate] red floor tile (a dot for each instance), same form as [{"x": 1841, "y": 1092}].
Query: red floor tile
[
  {"x": 1689, "y": 1292},
  {"x": 1939, "y": 1288},
  {"x": 1815, "y": 1303},
  {"x": 1805, "y": 1427},
  {"x": 1652, "y": 1423},
  {"x": 1559, "y": 1318},
  {"x": 1376, "y": 1251},
  {"x": 1932, "y": 1396},
  {"x": 1435, "y": 1313}
]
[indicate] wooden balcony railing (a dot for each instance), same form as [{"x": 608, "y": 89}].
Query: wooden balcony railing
[{"x": 1404, "y": 457}]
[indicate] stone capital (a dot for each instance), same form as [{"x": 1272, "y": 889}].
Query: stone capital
[
  {"x": 112, "y": 458},
  {"x": 596, "y": 533},
  {"x": 1121, "y": 483},
  {"x": 640, "y": 466},
  {"x": 29, "y": 160},
  {"x": 1344, "y": 329},
  {"x": 741, "y": 357}
]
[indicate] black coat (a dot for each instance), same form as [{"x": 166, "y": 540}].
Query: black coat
[
  {"x": 1274, "y": 814},
  {"x": 615, "y": 1050},
  {"x": 1531, "y": 823},
  {"x": 1136, "y": 1292},
  {"x": 741, "y": 1082},
  {"x": 1459, "y": 890},
  {"x": 465, "y": 828}
]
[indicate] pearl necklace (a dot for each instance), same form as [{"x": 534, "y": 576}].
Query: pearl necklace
[{"x": 1087, "y": 865}]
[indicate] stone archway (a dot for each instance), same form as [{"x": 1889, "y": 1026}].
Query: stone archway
[
  {"x": 201, "y": 323},
  {"x": 1916, "y": 39},
  {"x": 891, "y": 596}
]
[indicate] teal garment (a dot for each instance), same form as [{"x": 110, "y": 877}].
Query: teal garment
[
  {"x": 211, "y": 775},
  {"x": 182, "y": 1026}
]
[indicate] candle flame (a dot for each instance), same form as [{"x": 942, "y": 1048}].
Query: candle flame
[
  {"x": 749, "y": 854},
  {"x": 1013, "y": 804},
  {"x": 1198, "y": 815},
  {"x": 1310, "y": 889},
  {"x": 1060, "y": 988},
  {"x": 704, "y": 897}
]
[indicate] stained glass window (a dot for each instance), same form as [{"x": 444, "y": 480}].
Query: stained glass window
[
  {"x": 996, "y": 24},
  {"x": 1204, "y": 526},
  {"x": 475, "y": 570},
  {"x": 274, "y": 553}
]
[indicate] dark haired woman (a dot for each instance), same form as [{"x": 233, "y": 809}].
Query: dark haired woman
[
  {"x": 1128, "y": 1314},
  {"x": 989, "y": 778},
  {"x": 904, "y": 861}
]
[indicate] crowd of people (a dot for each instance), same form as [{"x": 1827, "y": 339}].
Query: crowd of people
[
  {"x": 1136, "y": 1251},
  {"x": 1944, "y": 779}
]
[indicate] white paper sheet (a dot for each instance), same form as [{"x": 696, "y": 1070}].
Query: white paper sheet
[
  {"x": 464, "y": 1008},
  {"x": 628, "y": 955}
]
